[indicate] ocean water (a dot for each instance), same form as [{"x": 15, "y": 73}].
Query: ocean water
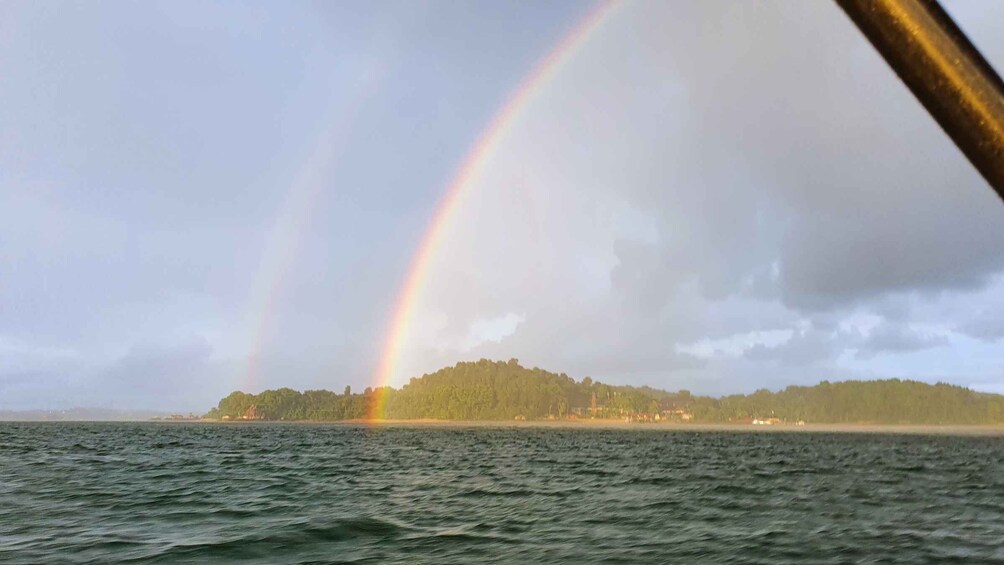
[{"x": 269, "y": 493}]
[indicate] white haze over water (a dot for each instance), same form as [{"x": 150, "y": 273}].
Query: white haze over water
[{"x": 710, "y": 195}]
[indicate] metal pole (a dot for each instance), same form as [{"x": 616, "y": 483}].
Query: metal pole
[{"x": 946, "y": 73}]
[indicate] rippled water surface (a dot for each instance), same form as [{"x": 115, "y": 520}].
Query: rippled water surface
[{"x": 298, "y": 493}]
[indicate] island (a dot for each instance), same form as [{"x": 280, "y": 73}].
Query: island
[{"x": 488, "y": 390}]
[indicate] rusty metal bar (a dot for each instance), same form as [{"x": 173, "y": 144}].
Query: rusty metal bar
[{"x": 945, "y": 71}]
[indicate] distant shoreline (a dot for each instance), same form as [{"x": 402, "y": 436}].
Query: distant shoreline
[{"x": 906, "y": 429}]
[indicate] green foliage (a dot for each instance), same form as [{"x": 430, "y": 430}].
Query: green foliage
[
  {"x": 288, "y": 404},
  {"x": 890, "y": 401},
  {"x": 496, "y": 390}
]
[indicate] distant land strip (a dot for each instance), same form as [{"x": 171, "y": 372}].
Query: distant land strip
[{"x": 506, "y": 391}]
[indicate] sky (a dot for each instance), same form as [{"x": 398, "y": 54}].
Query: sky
[{"x": 197, "y": 198}]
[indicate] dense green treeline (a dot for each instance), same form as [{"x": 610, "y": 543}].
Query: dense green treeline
[
  {"x": 891, "y": 401},
  {"x": 488, "y": 390},
  {"x": 288, "y": 404},
  {"x": 495, "y": 390},
  {"x": 482, "y": 390}
]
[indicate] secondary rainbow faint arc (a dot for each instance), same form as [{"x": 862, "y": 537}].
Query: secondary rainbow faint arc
[
  {"x": 477, "y": 156},
  {"x": 294, "y": 217}
]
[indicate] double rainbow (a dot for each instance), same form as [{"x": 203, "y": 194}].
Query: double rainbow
[{"x": 479, "y": 154}]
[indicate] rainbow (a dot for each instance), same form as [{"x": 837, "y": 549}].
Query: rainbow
[
  {"x": 283, "y": 244},
  {"x": 473, "y": 163}
]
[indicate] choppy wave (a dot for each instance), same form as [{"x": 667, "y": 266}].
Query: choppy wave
[{"x": 81, "y": 493}]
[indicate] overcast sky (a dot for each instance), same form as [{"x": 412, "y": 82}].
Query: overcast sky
[{"x": 719, "y": 196}]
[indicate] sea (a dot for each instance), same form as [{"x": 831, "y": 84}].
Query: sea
[{"x": 292, "y": 493}]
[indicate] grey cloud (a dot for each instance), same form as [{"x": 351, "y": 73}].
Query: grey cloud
[
  {"x": 180, "y": 375},
  {"x": 893, "y": 338},
  {"x": 694, "y": 170},
  {"x": 803, "y": 149},
  {"x": 160, "y": 376},
  {"x": 786, "y": 172},
  {"x": 818, "y": 344},
  {"x": 987, "y": 327},
  {"x": 806, "y": 149},
  {"x": 804, "y": 348},
  {"x": 33, "y": 389}
]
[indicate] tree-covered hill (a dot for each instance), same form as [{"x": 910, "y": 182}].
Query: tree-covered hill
[
  {"x": 890, "y": 401},
  {"x": 488, "y": 390},
  {"x": 495, "y": 390},
  {"x": 482, "y": 390}
]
